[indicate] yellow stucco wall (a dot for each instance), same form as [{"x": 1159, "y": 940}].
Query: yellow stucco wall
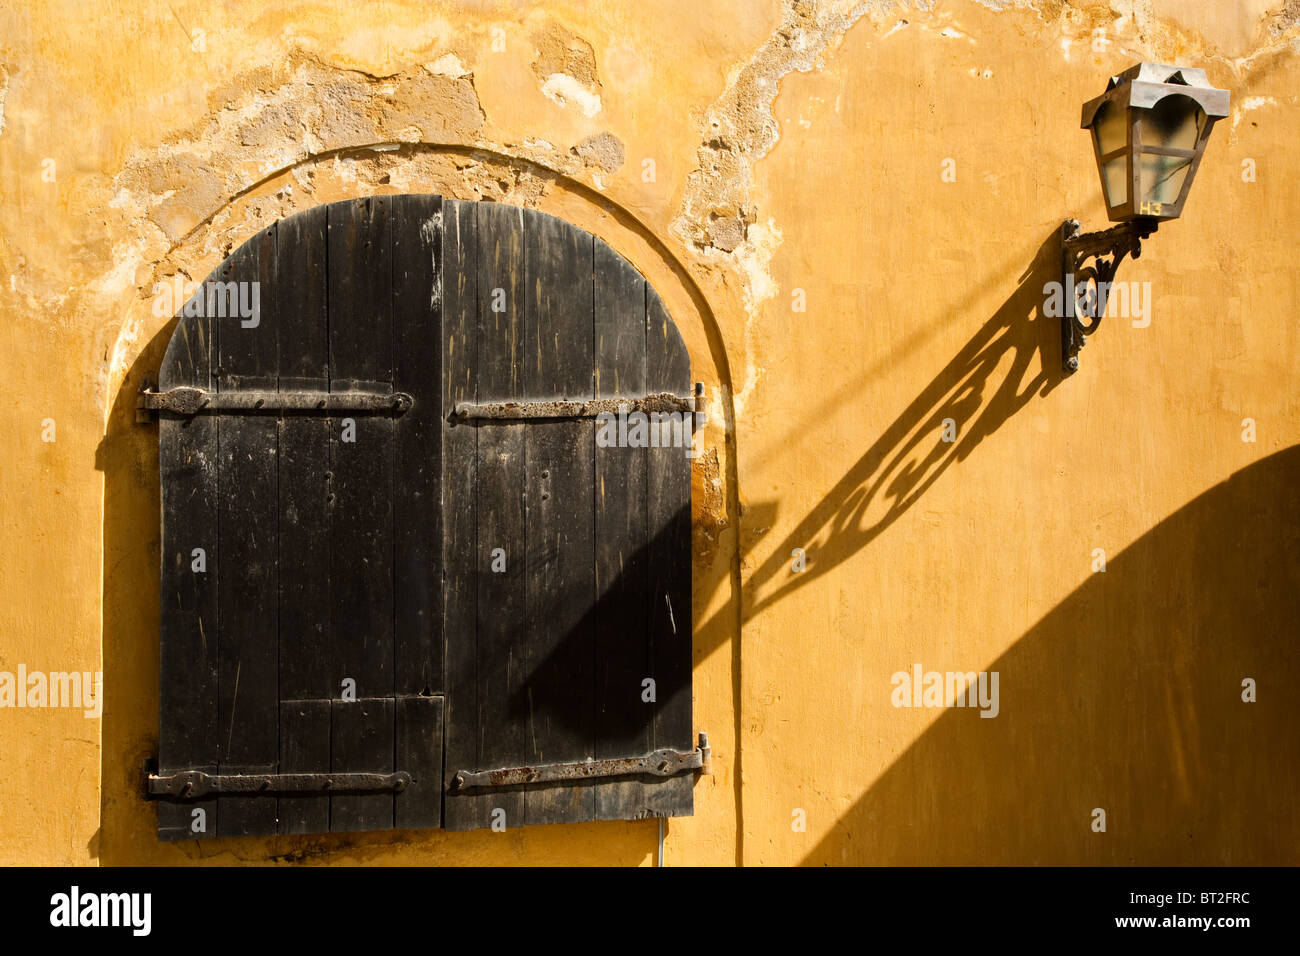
[{"x": 797, "y": 152}]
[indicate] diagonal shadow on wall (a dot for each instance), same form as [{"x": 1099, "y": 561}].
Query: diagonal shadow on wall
[
  {"x": 1126, "y": 697},
  {"x": 1012, "y": 358}
]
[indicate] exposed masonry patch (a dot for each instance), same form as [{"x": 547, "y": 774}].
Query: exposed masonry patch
[
  {"x": 560, "y": 51},
  {"x": 604, "y": 150},
  {"x": 263, "y": 123},
  {"x": 566, "y": 65},
  {"x": 1285, "y": 20},
  {"x": 708, "y": 490},
  {"x": 316, "y": 109},
  {"x": 4, "y": 93}
]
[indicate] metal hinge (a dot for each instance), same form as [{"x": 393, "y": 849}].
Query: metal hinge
[
  {"x": 192, "y": 784},
  {"x": 577, "y": 408},
  {"x": 661, "y": 763},
  {"x": 186, "y": 400}
]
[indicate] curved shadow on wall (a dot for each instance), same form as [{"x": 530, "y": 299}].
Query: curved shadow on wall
[{"x": 1126, "y": 697}]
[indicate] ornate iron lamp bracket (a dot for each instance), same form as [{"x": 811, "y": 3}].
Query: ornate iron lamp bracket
[{"x": 1088, "y": 287}]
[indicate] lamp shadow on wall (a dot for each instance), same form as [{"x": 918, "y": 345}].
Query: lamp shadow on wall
[
  {"x": 1128, "y": 698},
  {"x": 1012, "y": 359}
]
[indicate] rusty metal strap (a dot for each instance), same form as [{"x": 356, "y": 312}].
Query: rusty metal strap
[
  {"x": 191, "y": 784},
  {"x": 564, "y": 408},
  {"x": 186, "y": 400},
  {"x": 661, "y": 763}
]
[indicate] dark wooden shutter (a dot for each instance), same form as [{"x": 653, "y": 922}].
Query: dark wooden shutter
[
  {"x": 546, "y": 660},
  {"x": 351, "y": 544}
]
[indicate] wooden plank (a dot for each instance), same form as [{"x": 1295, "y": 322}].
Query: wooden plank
[
  {"x": 304, "y": 520},
  {"x": 362, "y": 741},
  {"x": 360, "y": 658},
  {"x": 248, "y": 699},
  {"x": 304, "y": 748},
  {"x": 502, "y": 646},
  {"x": 623, "y": 718},
  {"x": 557, "y": 695},
  {"x": 304, "y": 462},
  {"x": 668, "y": 527},
  {"x": 188, "y": 672},
  {"x": 419, "y": 753},
  {"x": 417, "y": 316},
  {"x": 460, "y": 543},
  {"x": 360, "y": 293}
]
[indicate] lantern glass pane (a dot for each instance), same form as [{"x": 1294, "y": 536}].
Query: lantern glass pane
[
  {"x": 1162, "y": 177},
  {"x": 1110, "y": 126},
  {"x": 1176, "y": 121},
  {"x": 1114, "y": 176}
]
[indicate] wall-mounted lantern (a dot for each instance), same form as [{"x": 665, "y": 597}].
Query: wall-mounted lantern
[{"x": 1149, "y": 130}]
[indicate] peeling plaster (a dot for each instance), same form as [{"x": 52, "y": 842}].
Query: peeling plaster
[
  {"x": 1247, "y": 105},
  {"x": 560, "y": 88},
  {"x": 448, "y": 65},
  {"x": 754, "y": 260}
]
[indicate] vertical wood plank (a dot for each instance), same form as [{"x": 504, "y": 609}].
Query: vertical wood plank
[
  {"x": 301, "y": 304},
  {"x": 462, "y": 811},
  {"x": 361, "y": 496},
  {"x": 558, "y": 363},
  {"x": 304, "y": 748},
  {"x": 188, "y": 669},
  {"x": 419, "y": 753},
  {"x": 304, "y": 461},
  {"x": 623, "y": 718},
  {"x": 362, "y": 740},
  {"x": 502, "y": 648},
  {"x": 668, "y": 526},
  {"x": 248, "y": 595},
  {"x": 417, "y": 316}
]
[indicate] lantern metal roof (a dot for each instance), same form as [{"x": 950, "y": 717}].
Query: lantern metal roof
[{"x": 1145, "y": 84}]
